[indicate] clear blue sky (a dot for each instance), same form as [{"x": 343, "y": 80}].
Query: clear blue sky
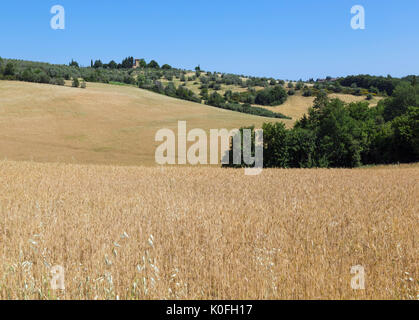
[{"x": 283, "y": 39}]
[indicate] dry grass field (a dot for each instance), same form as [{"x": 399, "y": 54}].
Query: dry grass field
[
  {"x": 207, "y": 233},
  {"x": 297, "y": 105},
  {"x": 103, "y": 124}
]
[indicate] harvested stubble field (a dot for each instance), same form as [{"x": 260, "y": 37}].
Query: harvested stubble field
[
  {"x": 198, "y": 233},
  {"x": 104, "y": 124}
]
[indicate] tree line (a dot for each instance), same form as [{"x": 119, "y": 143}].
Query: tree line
[
  {"x": 383, "y": 84},
  {"x": 336, "y": 134},
  {"x": 215, "y": 99},
  {"x": 126, "y": 63}
]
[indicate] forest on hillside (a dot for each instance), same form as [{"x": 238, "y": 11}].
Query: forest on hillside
[{"x": 348, "y": 135}]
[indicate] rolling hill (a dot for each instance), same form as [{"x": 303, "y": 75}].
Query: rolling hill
[{"x": 103, "y": 124}]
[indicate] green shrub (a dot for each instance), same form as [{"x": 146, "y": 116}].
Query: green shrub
[
  {"x": 204, "y": 93},
  {"x": 170, "y": 90},
  {"x": 76, "y": 83},
  {"x": 57, "y": 81},
  {"x": 271, "y": 96},
  {"x": 216, "y": 86},
  {"x": 357, "y": 92},
  {"x": 374, "y": 90},
  {"x": 307, "y": 92}
]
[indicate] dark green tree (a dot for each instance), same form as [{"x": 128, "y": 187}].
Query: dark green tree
[
  {"x": 271, "y": 96},
  {"x": 9, "y": 70},
  {"x": 153, "y": 65},
  {"x": 98, "y": 64},
  {"x": 112, "y": 65},
  {"x": 321, "y": 99},
  {"x": 301, "y": 144},
  {"x": 127, "y": 63},
  {"x": 73, "y": 64},
  {"x": 404, "y": 96},
  {"x": 406, "y": 136},
  {"x": 143, "y": 64},
  {"x": 275, "y": 153}
]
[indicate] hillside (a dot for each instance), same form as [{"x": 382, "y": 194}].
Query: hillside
[
  {"x": 297, "y": 105},
  {"x": 101, "y": 124},
  {"x": 267, "y": 97}
]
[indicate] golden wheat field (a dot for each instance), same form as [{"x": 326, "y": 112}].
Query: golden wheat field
[{"x": 207, "y": 233}]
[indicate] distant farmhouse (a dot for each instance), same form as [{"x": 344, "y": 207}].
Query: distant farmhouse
[
  {"x": 136, "y": 63},
  {"x": 327, "y": 79}
]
